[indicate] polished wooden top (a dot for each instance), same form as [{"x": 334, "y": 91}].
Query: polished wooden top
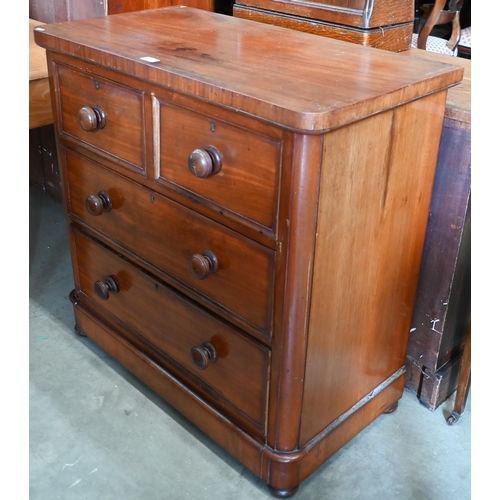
[
  {"x": 458, "y": 104},
  {"x": 295, "y": 79},
  {"x": 38, "y": 61}
]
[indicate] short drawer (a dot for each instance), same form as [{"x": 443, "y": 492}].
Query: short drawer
[
  {"x": 104, "y": 115},
  {"x": 229, "y": 269},
  {"x": 231, "y": 364},
  {"x": 237, "y": 169}
]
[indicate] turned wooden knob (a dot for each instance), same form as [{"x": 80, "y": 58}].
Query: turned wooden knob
[
  {"x": 103, "y": 288},
  {"x": 99, "y": 203},
  {"x": 92, "y": 118},
  {"x": 204, "y": 264},
  {"x": 205, "y": 162},
  {"x": 204, "y": 355}
]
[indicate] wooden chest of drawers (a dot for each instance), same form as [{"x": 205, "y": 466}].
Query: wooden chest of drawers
[
  {"x": 384, "y": 24},
  {"x": 247, "y": 223}
]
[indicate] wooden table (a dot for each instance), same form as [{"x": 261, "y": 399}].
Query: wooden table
[
  {"x": 40, "y": 105},
  {"x": 442, "y": 306}
]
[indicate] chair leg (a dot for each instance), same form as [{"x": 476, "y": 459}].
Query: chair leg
[
  {"x": 430, "y": 23},
  {"x": 464, "y": 378}
]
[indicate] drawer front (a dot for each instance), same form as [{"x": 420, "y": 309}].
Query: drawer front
[
  {"x": 174, "y": 239},
  {"x": 248, "y": 180},
  {"x": 239, "y": 371},
  {"x": 85, "y": 98}
]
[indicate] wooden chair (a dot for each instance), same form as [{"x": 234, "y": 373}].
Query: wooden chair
[{"x": 438, "y": 13}]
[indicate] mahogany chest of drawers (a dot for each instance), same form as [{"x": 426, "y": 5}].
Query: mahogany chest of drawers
[
  {"x": 246, "y": 220},
  {"x": 384, "y": 24}
]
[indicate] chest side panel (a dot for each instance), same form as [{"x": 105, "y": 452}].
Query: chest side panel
[{"x": 375, "y": 192}]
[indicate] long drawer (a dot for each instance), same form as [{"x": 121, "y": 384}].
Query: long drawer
[
  {"x": 227, "y": 361},
  {"x": 227, "y": 268}
]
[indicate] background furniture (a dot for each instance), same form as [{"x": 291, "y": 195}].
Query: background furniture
[
  {"x": 442, "y": 306},
  {"x": 464, "y": 380},
  {"x": 385, "y": 24},
  {"x": 44, "y": 167},
  {"x": 465, "y": 44},
  {"x": 55, "y": 11},
  {"x": 40, "y": 107},
  {"x": 119, "y": 6},
  {"x": 237, "y": 237},
  {"x": 443, "y": 27},
  {"x": 435, "y": 14}
]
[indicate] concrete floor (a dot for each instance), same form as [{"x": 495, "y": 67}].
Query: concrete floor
[{"x": 96, "y": 432}]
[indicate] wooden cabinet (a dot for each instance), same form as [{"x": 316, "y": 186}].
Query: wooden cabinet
[
  {"x": 442, "y": 305},
  {"x": 247, "y": 220},
  {"x": 385, "y": 24},
  {"x": 120, "y": 6}
]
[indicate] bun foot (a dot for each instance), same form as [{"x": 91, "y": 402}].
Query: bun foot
[
  {"x": 79, "y": 332},
  {"x": 283, "y": 493},
  {"x": 392, "y": 408}
]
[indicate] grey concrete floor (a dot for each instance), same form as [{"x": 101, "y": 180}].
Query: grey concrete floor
[{"x": 97, "y": 432}]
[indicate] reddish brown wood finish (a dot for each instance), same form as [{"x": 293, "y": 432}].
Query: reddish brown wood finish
[
  {"x": 120, "y": 6},
  {"x": 385, "y": 24},
  {"x": 123, "y": 108},
  {"x": 168, "y": 235},
  {"x": 240, "y": 362},
  {"x": 394, "y": 38},
  {"x": 237, "y": 185},
  {"x": 357, "y": 334},
  {"x": 355, "y": 13},
  {"x": 230, "y": 304},
  {"x": 189, "y": 63}
]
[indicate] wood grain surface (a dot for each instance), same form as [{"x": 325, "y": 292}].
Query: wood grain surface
[
  {"x": 120, "y": 6},
  {"x": 168, "y": 235},
  {"x": 359, "y": 305},
  {"x": 247, "y": 65},
  {"x": 394, "y": 38},
  {"x": 354, "y": 13},
  {"x": 458, "y": 104},
  {"x": 328, "y": 153},
  {"x": 240, "y": 362}
]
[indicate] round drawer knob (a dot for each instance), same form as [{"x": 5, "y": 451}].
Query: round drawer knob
[
  {"x": 99, "y": 203},
  {"x": 92, "y": 118},
  {"x": 204, "y": 264},
  {"x": 205, "y": 162},
  {"x": 203, "y": 355},
  {"x": 103, "y": 288}
]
